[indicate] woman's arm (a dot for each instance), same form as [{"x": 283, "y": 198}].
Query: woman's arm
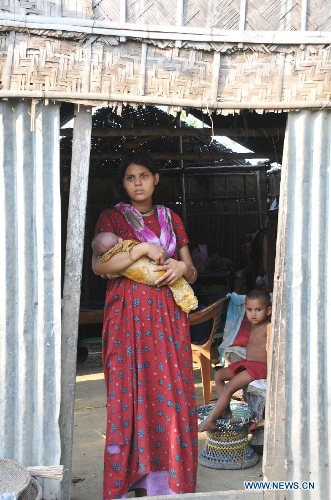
[
  {"x": 175, "y": 269},
  {"x": 117, "y": 263},
  {"x": 191, "y": 273}
]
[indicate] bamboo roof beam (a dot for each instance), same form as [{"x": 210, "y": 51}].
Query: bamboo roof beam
[
  {"x": 160, "y": 32},
  {"x": 211, "y": 170},
  {"x": 180, "y": 132},
  {"x": 196, "y": 156},
  {"x": 92, "y": 98}
]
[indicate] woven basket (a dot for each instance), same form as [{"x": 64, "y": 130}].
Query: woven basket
[
  {"x": 227, "y": 446},
  {"x": 14, "y": 478},
  {"x": 94, "y": 347},
  {"x": 33, "y": 491}
]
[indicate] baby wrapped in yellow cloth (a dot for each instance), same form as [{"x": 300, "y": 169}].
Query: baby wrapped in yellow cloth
[{"x": 107, "y": 244}]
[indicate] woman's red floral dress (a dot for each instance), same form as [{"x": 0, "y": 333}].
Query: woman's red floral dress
[{"x": 151, "y": 401}]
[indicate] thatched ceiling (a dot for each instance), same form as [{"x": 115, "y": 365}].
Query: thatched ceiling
[
  {"x": 174, "y": 143},
  {"x": 149, "y": 128},
  {"x": 261, "y": 133}
]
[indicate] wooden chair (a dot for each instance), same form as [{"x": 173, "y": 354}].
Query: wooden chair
[{"x": 202, "y": 353}]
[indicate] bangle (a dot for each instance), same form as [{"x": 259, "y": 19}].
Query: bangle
[
  {"x": 194, "y": 274},
  {"x": 128, "y": 252}
]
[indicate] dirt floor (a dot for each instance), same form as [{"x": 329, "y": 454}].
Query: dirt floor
[{"x": 90, "y": 417}]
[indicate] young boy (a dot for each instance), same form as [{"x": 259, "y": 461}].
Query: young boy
[
  {"x": 107, "y": 244},
  {"x": 254, "y": 367}
]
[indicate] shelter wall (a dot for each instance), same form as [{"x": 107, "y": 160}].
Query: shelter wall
[
  {"x": 216, "y": 55},
  {"x": 263, "y": 56},
  {"x": 30, "y": 310}
]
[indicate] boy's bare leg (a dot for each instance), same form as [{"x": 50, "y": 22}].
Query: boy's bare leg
[
  {"x": 221, "y": 376},
  {"x": 238, "y": 382}
]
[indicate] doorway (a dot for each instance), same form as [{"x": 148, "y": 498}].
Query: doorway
[{"x": 210, "y": 197}]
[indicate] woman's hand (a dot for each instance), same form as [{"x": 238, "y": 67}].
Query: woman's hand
[
  {"x": 155, "y": 252},
  {"x": 174, "y": 269}
]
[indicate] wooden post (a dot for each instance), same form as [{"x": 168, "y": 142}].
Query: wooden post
[
  {"x": 262, "y": 192},
  {"x": 274, "y": 453},
  {"x": 72, "y": 283}
]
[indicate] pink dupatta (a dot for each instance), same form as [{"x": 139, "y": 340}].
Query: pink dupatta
[{"x": 167, "y": 238}]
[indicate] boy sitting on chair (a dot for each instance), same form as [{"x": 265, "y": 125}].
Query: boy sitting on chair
[{"x": 254, "y": 367}]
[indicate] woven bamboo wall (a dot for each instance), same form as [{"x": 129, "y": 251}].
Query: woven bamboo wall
[
  {"x": 50, "y": 8},
  {"x": 105, "y": 74},
  {"x": 213, "y": 55},
  {"x": 256, "y": 15}
]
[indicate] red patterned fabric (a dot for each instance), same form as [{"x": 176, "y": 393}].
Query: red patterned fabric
[{"x": 151, "y": 402}]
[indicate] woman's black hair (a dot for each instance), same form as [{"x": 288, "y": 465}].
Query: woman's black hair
[{"x": 141, "y": 158}]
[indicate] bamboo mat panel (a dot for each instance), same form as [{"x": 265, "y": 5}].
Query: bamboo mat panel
[
  {"x": 256, "y": 15},
  {"x": 49, "y": 8},
  {"x": 42, "y": 64}
]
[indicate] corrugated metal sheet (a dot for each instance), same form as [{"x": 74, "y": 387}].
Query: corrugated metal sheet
[
  {"x": 30, "y": 300},
  {"x": 300, "y": 379}
]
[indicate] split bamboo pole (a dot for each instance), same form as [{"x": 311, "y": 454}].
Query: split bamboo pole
[{"x": 91, "y": 98}]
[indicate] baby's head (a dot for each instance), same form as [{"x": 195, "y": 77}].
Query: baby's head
[
  {"x": 258, "y": 305},
  {"x": 102, "y": 242}
]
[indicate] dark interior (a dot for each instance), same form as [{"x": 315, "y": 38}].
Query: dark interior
[{"x": 228, "y": 200}]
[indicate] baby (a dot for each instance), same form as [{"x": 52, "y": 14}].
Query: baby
[
  {"x": 254, "y": 367},
  {"x": 107, "y": 244},
  {"x": 104, "y": 242}
]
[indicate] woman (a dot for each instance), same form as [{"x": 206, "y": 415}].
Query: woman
[{"x": 151, "y": 437}]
